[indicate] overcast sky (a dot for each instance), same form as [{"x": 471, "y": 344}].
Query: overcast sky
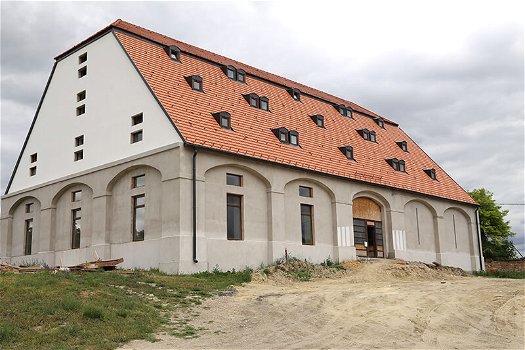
[{"x": 449, "y": 72}]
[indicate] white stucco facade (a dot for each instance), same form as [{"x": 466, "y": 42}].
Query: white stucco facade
[{"x": 114, "y": 93}]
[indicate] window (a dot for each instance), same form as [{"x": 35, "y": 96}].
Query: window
[
  {"x": 82, "y": 58},
  {"x": 431, "y": 173},
  {"x": 139, "y": 210},
  {"x": 295, "y": 93},
  {"x": 234, "y": 216},
  {"x": 231, "y": 72},
  {"x": 136, "y": 136},
  {"x": 81, "y": 96},
  {"x": 305, "y": 191},
  {"x": 403, "y": 145},
  {"x": 281, "y": 134},
  {"x": 223, "y": 119},
  {"x": 306, "y": 224},
  {"x": 79, "y": 140},
  {"x": 82, "y": 72},
  {"x": 28, "y": 236},
  {"x": 254, "y": 100},
  {"x": 397, "y": 164},
  {"x": 32, "y": 171},
  {"x": 76, "y": 227},
  {"x": 76, "y": 196},
  {"x": 344, "y": 111},
  {"x": 81, "y": 110},
  {"x": 29, "y": 207},
  {"x": 380, "y": 122},
  {"x": 348, "y": 151},
  {"x": 293, "y": 137},
  {"x": 137, "y": 119},
  {"x": 233, "y": 180},
  {"x": 241, "y": 76},
  {"x": 138, "y": 181},
  {"x": 318, "y": 120},
  {"x": 173, "y": 52},
  {"x": 195, "y": 82},
  {"x": 368, "y": 135},
  {"x": 33, "y": 157},
  {"x": 263, "y": 103},
  {"x": 79, "y": 155}
]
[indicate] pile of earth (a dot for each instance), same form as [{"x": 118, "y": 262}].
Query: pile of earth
[{"x": 299, "y": 270}]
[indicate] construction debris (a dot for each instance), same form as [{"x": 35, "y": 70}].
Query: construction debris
[{"x": 97, "y": 265}]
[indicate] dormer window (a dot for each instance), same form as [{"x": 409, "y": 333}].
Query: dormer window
[
  {"x": 318, "y": 120},
  {"x": 293, "y": 138},
  {"x": 173, "y": 52},
  {"x": 397, "y": 164},
  {"x": 281, "y": 134},
  {"x": 295, "y": 93},
  {"x": 403, "y": 145},
  {"x": 224, "y": 119},
  {"x": 368, "y": 135},
  {"x": 344, "y": 111},
  {"x": 231, "y": 72},
  {"x": 241, "y": 75},
  {"x": 380, "y": 122},
  {"x": 253, "y": 100},
  {"x": 195, "y": 82},
  {"x": 348, "y": 151},
  {"x": 263, "y": 103},
  {"x": 431, "y": 172}
]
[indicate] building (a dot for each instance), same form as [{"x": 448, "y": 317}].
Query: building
[{"x": 172, "y": 157}]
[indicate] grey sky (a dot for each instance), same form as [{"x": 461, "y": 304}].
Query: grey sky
[{"x": 451, "y": 73}]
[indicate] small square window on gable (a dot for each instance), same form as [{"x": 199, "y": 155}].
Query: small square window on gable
[
  {"x": 305, "y": 191},
  {"x": 137, "y": 119},
  {"x": 431, "y": 172},
  {"x": 223, "y": 119},
  {"x": 82, "y": 58},
  {"x": 295, "y": 93},
  {"x": 81, "y": 96},
  {"x": 234, "y": 180},
  {"x": 195, "y": 82},
  {"x": 318, "y": 120},
  {"x": 136, "y": 136},
  {"x": 403, "y": 145},
  {"x": 79, "y": 140},
  {"x": 33, "y": 158},
  {"x": 173, "y": 52},
  {"x": 81, "y": 110},
  {"x": 32, "y": 171},
  {"x": 344, "y": 111},
  {"x": 348, "y": 152},
  {"x": 281, "y": 134},
  {"x": 293, "y": 138},
  {"x": 397, "y": 164},
  {"x": 79, "y": 155},
  {"x": 82, "y": 72}
]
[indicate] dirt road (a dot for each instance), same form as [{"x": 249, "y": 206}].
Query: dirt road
[{"x": 377, "y": 305}]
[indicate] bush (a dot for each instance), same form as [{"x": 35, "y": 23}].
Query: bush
[{"x": 93, "y": 312}]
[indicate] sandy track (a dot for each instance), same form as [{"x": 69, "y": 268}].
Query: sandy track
[{"x": 358, "y": 311}]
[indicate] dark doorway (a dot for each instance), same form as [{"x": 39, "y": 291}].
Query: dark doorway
[
  {"x": 372, "y": 251},
  {"x": 370, "y": 232}
]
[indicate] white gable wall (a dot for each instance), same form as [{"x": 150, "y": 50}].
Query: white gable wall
[{"x": 114, "y": 93}]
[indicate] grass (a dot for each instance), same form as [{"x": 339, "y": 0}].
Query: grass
[
  {"x": 502, "y": 274},
  {"x": 100, "y": 310}
]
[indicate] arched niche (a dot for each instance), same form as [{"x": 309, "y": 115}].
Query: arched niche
[
  {"x": 456, "y": 234},
  {"x": 420, "y": 226},
  {"x": 26, "y": 227},
  {"x": 368, "y": 225}
]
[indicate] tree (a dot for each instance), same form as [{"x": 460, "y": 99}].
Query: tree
[{"x": 495, "y": 231}]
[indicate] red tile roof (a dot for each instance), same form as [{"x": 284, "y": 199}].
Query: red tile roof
[{"x": 191, "y": 111}]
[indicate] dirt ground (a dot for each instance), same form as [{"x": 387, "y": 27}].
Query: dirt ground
[{"x": 380, "y": 304}]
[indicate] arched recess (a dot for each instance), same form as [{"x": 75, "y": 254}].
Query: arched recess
[
  {"x": 247, "y": 246},
  {"x": 130, "y": 189},
  {"x": 73, "y": 217},
  {"x": 421, "y": 226},
  {"x": 25, "y": 229},
  {"x": 316, "y": 212},
  {"x": 456, "y": 237},
  {"x": 370, "y": 219}
]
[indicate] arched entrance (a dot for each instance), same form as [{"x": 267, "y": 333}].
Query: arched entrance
[{"x": 368, "y": 228}]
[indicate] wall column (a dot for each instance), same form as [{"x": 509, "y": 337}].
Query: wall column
[
  {"x": 276, "y": 227},
  {"x": 45, "y": 248},
  {"x": 100, "y": 226},
  {"x": 439, "y": 228},
  {"x": 397, "y": 244},
  {"x": 344, "y": 248},
  {"x": 6, "y": 237}
]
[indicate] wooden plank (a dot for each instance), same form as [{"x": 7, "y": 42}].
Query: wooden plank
[{"x": 365, "y": 208}]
